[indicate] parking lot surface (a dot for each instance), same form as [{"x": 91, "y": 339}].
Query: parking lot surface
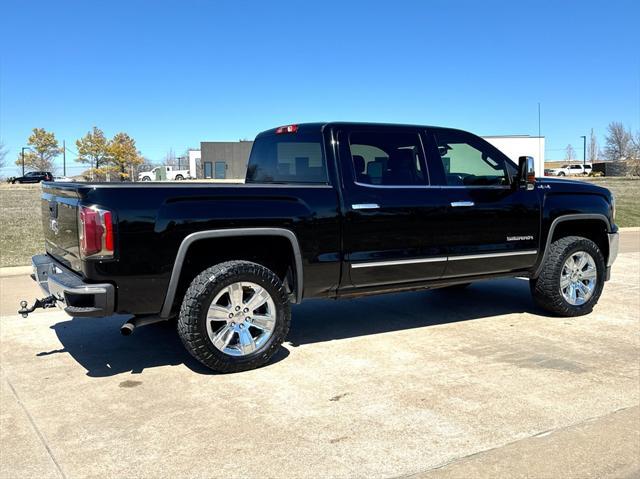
[{"x": 427, "y": 384}]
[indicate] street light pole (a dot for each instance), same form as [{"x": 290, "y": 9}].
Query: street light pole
[{"x": 584, "y": 150}]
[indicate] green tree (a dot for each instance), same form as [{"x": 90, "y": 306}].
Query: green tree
[
  {"x": 44, "y": 149},
  {"x": 123, "y": 155},
  {"x": 93, "y": 149}
]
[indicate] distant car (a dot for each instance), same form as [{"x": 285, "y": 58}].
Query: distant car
[
  {"x": 62, "y": 178},
  {"x": 171, "y": 174},
  {"x": 569, "y": 170},
  {"x": 33, "y": 177}
]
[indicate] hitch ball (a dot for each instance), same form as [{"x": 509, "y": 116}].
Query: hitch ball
[{"x": 23, "y": 306}]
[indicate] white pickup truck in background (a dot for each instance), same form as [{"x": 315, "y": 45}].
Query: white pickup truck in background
[
  {"x": 569, "y": 170},
  {"x": 171, "y": 174}
]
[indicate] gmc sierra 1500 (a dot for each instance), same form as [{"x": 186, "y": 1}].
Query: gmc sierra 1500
[{"x": 328, "y": 210}]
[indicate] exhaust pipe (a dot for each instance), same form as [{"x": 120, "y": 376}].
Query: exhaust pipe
[{"x": 127, "y": 328}]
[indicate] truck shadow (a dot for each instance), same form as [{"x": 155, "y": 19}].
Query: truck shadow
[
  {"x": 320, "y": 320},
  {"x": 99, "y": 347}
]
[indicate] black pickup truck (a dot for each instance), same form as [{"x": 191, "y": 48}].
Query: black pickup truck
[{"x": 331, "y": 210}]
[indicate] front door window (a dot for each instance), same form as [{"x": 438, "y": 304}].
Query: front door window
[{"x": 468, "y": 162}]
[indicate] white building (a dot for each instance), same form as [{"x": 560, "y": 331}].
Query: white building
[
  {"x": 194, "y": 157},
  {"x": 515, "y": 146}
]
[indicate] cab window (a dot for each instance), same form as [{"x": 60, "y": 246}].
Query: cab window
[
  {"x": 287, "y": 158},
  {"x": 387, "y": 158},
  {"x": 469, "y": 161}
]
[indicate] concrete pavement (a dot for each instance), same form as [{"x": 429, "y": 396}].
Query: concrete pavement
[{"x": 435, "y": 384}]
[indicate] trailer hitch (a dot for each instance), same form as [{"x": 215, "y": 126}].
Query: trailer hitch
[{"x": 48, "y": 302}]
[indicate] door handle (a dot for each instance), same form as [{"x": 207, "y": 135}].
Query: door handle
[
  {"x": 366, "y": 206},
  {"x": 455, "y": 204}
]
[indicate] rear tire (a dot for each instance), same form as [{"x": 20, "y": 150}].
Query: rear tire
[
  {"x": 566, "y": 286},
  {"x": 234, "y": 316},
  {"x": 179, "y": 177}
]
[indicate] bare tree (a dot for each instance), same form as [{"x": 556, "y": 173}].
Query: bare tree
[
  {"x": 634, "y": 161},
  {"x": 618, "y": 142},
  {"x": 170, "y": 158},
  {"x": 3, "y": 155},
  {"x": 592, "y": 149},
  {"x": 635, "y": 145},
  {"x": 569, "y": 153}
]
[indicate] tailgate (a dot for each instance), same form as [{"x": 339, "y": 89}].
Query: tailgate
[{"x": 60, "y": 223}]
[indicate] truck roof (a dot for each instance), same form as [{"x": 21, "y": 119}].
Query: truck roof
[{"x": 322, "y": 125}]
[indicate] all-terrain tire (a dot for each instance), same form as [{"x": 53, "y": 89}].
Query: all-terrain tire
[
  {"x": 546, "y": 287},
  {"x": 192, "y": 326}
]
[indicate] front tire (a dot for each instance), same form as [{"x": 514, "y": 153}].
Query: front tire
[
  {"x": 572, "y": 277},
  {"x": 234, "y": 316},
  {"x": 179, "y": 177}
]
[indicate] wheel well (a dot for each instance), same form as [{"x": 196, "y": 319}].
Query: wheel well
[
  {"x": 273, "y": 252},
  {"x": 595, "y": 230}
]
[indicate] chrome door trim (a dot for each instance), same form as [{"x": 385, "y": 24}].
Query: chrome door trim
[
  {"x": 456, "y": 204},
  {"x": 365, "y": 206},
  {"x": 441, "y": 258},
  {"x": 492, "y": 255},
  {"x": 398, "y": 262}
]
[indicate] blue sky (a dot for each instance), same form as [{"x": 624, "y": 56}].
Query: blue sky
[{"x": 173, "y": 74}]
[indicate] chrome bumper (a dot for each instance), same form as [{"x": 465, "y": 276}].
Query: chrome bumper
[
  {"x": 73, "y": 295},
  {"x": 614, "y": 245}
]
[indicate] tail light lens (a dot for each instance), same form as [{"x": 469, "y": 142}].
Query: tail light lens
[
  {"x": 96, "y": 233},
  {"x": 286, "y": 129}
]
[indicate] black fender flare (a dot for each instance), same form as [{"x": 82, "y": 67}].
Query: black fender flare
[
  {"x": 562, "y": 219},
  {"x": 227, "y": 233}
]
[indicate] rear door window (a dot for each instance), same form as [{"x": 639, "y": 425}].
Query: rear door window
[
  {"x": 387, "y": 158},
  {"x": 288, "y": 158}
]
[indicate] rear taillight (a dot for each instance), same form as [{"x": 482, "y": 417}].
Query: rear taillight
[
  {"x": 96, "y": 233},
  {"x": 286, "y": 129}
]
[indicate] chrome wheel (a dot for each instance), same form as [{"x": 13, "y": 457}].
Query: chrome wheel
[
  {"x": 241, "y": 318},
  {"x": 578, "y": 278}
]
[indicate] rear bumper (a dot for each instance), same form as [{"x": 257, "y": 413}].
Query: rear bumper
[{"x": 74, "y": 296}]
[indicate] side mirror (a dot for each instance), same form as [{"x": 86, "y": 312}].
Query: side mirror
[{"x": 526, "y": 172}]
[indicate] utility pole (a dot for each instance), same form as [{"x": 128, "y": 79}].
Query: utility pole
[
  {"x": 540, "y": 158},
  {"x": 584, "y": 151},
  {"x": 64, "y": 159}
]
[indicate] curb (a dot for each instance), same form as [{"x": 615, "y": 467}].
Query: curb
[{"x": 15, "y": 271}]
